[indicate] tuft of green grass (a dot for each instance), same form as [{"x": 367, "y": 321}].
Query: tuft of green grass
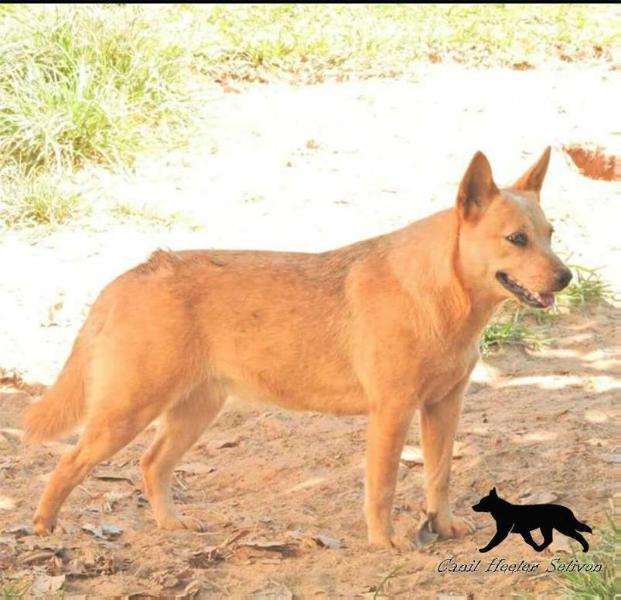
[
  {"x": 103, "y": 82},
  {"x": 382, "y": 588},
  {"x": 86, "y": 82},
  {"x": 106, "y": 82},
  {"x": 587, "y": 287},
  {"x": 510, "y": 329},
  {"x": 592, "y": 584},
  {"x": 36, "y": 200},
  {"x": 311, "y": 41},
  {"x": 11, "y": 589}
]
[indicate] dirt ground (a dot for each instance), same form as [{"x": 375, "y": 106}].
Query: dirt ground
[{"x": 310, "y": 168}]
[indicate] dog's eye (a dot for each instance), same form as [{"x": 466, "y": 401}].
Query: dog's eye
[{"x": 517, "y": 239}]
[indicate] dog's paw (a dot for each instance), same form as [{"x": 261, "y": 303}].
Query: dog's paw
[
  {"x": 180, "y": 522},
  {"x": 43, "y": 526},
  {"x": 391, "y": 542},
  {"x": 462, "y": 526},
  {"x": 402, "y": 543},
  {"x": 456, "y": 527}
]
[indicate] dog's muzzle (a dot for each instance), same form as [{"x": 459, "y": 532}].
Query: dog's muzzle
[{"x": 534, "y": 299}]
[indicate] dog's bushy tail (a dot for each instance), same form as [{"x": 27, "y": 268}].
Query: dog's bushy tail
[
  {"x": 583, "y": 527},
  {"x": 62, "y": 406}
]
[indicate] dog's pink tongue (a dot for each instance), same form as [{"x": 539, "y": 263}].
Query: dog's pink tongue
[{"x": 547, "y": 299}]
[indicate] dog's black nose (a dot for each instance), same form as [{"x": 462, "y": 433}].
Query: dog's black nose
[{"x": 563, "y": 277}]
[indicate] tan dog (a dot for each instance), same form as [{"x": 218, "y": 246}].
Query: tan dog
[{"x": 382, "y": 327}]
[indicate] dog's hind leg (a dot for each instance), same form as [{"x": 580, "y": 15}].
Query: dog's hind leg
[
  {"x": 108, "y": 429},
  {"x": 574, "y": 534},
  {"x": 179, "y": 429},
  {"x": 546, "y": 531}
]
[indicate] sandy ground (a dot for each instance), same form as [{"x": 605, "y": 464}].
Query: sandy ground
[{"x": 311, "y": 168}]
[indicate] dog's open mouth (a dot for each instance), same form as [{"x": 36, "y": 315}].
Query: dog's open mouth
[{"x": 534, "y": 299}]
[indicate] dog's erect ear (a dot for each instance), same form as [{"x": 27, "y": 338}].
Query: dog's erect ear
[
  {"x": 532, "y": 180},
  {"x": 476, "y": 189},
  {"x": 493, "y": 493}
]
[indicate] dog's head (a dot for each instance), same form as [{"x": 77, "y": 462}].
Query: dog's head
[
  {"x": 488, "y": 503},
  {"x": 504, "y": 236}
]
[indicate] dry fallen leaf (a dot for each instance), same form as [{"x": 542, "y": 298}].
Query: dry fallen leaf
[
  {"x": 539, "y": 498},
  {"x": 425, "y": 536},
  {"x": 195, "y": 468},
  {"x": 104, "y": 532},
  {"x": 44, "y": 584},
  {"x": 230, "y": 443},
  {"x": 191, "y": 589},
  {"x": 411, "y": 455},
  {"x": 234, "y": 537},
  {"x": 209, "y": 555},
  {"x": 12, "y": 436},
  {"x": 275, "y": 591},
  {"x": 281, "y": 546},
  {"x": 326, "y": 541},
  {"x": 39, "y": 555},
  {"x": 20, "y": 530},
  {"x": 112, "y": 474}
]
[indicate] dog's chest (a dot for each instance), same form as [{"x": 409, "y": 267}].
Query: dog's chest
[{"x": 440, "y": 373}]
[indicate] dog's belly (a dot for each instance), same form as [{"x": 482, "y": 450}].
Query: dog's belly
[{"x": 336, "y": 401}]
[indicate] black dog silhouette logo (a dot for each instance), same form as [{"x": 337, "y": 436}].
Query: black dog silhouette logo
[{"x": 524, "y": 518}]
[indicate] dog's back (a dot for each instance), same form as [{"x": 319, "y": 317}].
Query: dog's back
[{"x": 532, "y": 516}]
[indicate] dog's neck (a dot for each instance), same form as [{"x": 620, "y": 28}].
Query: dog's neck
[
  {"x": 427, "y": 264},
  {"x": 501, "y": 507}
]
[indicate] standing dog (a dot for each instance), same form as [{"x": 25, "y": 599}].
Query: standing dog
[{"x": 382, "y": 327}]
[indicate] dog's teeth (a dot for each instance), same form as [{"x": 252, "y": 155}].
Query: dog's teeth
[{"x": 517, "y": 288}]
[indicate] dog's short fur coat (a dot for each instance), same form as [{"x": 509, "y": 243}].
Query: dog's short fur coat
[{"x": 384, "y": 327}]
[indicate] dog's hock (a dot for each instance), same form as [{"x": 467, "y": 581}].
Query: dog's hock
[{"x": 476, "y": 189}]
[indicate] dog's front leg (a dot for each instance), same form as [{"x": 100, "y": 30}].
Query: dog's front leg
[
  {"x": 528, "y": 538},
  {"x": 386, "y": 435},
  {"x": 499, "y": 536},
  {"x": 438, "y": 424}
]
